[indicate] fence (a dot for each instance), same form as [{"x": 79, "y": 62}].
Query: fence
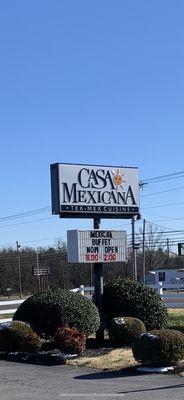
[
  {"x": 171, "y": 294},
  {"x": 5, "y": 310}
]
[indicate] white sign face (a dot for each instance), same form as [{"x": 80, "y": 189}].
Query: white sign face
[
  {"x": 85, "y": 190},
  {"x": 96, "y": 246}
]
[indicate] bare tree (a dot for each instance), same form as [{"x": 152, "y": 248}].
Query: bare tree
[{"x": 154, "y": 247}]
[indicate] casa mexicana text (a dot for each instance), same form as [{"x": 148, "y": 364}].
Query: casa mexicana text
[{"x": 90, "y": 189}]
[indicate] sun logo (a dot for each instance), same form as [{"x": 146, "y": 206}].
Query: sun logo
[{"x": 118, "y": 178}]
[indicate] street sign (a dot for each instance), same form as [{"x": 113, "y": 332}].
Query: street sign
[{"x": 41, "y": 271}]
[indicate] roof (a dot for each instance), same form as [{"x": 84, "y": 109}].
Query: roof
[{"x": 166, "y": 267}]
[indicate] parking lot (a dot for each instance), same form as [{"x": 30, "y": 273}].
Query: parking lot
[{"x": 37, "y": 382}]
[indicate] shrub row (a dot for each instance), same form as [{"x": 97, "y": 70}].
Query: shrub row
[
  {"x": 18, "y": 336},
  {"x": 69, "y": 318}
]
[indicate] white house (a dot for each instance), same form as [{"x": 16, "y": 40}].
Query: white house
[{"x": 166, "y": 274}]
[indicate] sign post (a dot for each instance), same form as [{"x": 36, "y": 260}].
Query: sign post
[{"x": 98, "y": 284}]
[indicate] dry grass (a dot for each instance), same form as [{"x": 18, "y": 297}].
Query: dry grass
[
  {"x": 176, "y": 311},
  {"x": 4, "y": 316},
  {"x": 105, "y": 359}
]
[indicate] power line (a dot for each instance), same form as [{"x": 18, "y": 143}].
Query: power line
[
  {"x": 9, "y": 244},
  {"x": 25, "y": 214},
  {"x": 162, "y": 178},
  {"x": 25, "y": 223},
  {"x": 165, "y": 205},
  {"x": 31, "y": 258},
  {"x": 162, "y": 191}
]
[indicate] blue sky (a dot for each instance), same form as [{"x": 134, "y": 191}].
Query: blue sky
[{"x": 97, "y": 82}]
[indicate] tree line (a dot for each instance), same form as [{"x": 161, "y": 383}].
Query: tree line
[
  {"x": 62, "y": 274},
  {"x": 68, "y": 276}
]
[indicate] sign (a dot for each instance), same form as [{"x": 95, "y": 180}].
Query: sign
[
  {"x": 96, "y": 246},
  {"x": 181, "y": 249},
  {"x": 41, "y": 271},
  {"x": 86, "y": 191}
]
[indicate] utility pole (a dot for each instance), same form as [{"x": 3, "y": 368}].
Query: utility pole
[
  {"x": 143, "y": 251},
  {"x": 91, "y": 275},
  {"x": 134, "y": 259},
  {"x": 168, "y": 251},
  {"x": 19, "y": 269},
  {"x": 38, "y": 274}
]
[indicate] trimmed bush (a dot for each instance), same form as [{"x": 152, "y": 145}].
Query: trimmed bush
[
  {"x": 70, "y": 340},
  {"x": 159, "y": 347},
  {"x": 179, "y": 328},
  {"x": 53, "y": 309},
  {"x": 33, "y": 342},
  {"x": 18, "y": 336},
  {"x": 129, "y": 298},
  {"x": 124, "y": 330}
]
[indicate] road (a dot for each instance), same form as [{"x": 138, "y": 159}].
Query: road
[
  {"x": 9, "y": 307},
  {"x": 9, "y": 304},
  {"x": 35, "y": 382}
]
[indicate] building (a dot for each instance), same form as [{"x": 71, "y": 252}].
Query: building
[{"x": 169, "y": 274}]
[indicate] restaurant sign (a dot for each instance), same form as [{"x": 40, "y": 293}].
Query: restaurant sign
[
  {"x": 96, "y": 246},
  {"x": 86, "y": 191}
]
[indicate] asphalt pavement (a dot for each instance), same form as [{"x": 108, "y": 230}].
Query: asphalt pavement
[{"x": 37, "y": 382}]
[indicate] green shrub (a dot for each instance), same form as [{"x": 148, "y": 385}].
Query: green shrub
[
  {"x": 50, "y": 310},
  {"x": 124, "y": 330},
  {"x": 18, "y": 336},
  {"x": 129, "y": 298},
  {"x": 159, "y": 347},
  {"x": 70, "y": 340}
]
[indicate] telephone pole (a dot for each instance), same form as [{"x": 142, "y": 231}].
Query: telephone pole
[
  {"x": 19, "y": 269},
  {"x": 134, "y": 246},
  {"x": 143, "y": 252},
  {"x": 168, "y": 251},
  {"x": 38, "y": 273}
]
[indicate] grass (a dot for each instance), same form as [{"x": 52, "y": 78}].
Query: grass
[
  {"x": 13, "y": 297},
  {"x": 4, "y": 316},
  {"x": 105, "y": 359},
  {"x": 176, "y": 319}
]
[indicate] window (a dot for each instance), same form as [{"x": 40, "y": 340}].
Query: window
[{"x": 161, "y": 276}]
